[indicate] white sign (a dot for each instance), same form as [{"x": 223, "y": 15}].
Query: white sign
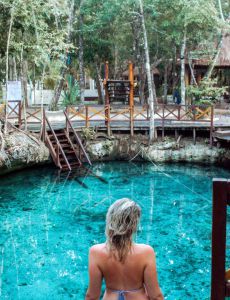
[{"x": 14, "y": 91}]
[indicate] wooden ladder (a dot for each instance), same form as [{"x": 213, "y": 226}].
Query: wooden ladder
[{"x": 65, "y": 146}]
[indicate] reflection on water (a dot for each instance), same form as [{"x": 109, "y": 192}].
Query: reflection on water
[{"x": 49, "y": 219}]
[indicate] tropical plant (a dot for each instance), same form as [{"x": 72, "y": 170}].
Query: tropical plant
[
  {"x": 206, "y": 92},
  {"x": 71, "y": 93}
]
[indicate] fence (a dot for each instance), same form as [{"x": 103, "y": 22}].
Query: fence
[{"x": 130, "y": 117}]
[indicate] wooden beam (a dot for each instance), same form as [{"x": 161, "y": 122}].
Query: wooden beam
[
  {"x": 131, "y": 98},
  {"x": 219, "y": 217},
  {"x": 107, "y": 101}
]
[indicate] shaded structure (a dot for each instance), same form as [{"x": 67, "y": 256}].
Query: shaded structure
[{"x": 221, "y": 67}]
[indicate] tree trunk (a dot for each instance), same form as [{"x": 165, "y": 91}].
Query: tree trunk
[
  {"x": 81, "y": 61},
  {"x": 221, "y": 10},
  {"x": 214, "y": 61},
  {"x": 101, "y": 98},
  {"x": 151, "y": 86},
  {"x": 165, "y": 82},
  {"x": 182, "y": 73},
  {"x": 7, "y": 64},
  {"x": 193, "y": 78},
  {"x": 42, "y": 100},
  {"x": 115, "y": 61},
  {"x": 174, "y": 71},
  {"x": 11, "y": 68},
  {"x": 15, "y": 77},
  {"x": 139, "y": 58},
  {"x": 142, "y": 80},
  {"x": 24, "y": 80},
  {"x": 59, "y": 87}
]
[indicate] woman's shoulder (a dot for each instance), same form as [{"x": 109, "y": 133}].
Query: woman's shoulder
[
  {"x": 143, "y": 248},
  {"x": 98, "y": 248}
]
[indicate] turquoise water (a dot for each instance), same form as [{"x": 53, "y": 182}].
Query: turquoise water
[{"x": 48, "y": 223}]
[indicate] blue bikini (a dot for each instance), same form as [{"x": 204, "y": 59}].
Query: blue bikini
[{"x": 121, "y": 293}]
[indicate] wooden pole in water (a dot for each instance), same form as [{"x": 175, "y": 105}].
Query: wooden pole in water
[
  {"x": 131, "y": 97},
  {"x": 194, "y": 135}
]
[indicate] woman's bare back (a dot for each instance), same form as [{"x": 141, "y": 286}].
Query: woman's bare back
[
  {"x": 129, "y": 269},
  {"x": 127, "y": 275}
]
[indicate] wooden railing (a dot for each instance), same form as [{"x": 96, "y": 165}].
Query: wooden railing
[
  {"x": 135, "y": 115},
  {"x": 201, "y": 113},
  {"x": 54, "y": 150},
  {"x": 77, "y": 138},
  {"x": 109, "y": 113},
  {"x": 16, "y": 113},
  {"x": 32, "y": 115},
  {"x": 220, "y": 286}
]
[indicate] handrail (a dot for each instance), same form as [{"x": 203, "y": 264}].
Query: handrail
[
  {"x": 220, "y": 288},
  {"x": 72, "y": 146},
  {"x": 57, "y": 141},
  {"x": 52, "y": 151},
  {"x": 77, "y": 138}
]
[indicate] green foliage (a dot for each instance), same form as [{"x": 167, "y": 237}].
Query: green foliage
[
  {"x": 111, "y": 31},
  {"x": 206, "y": 92},
  {"x": 88, "y": 133},
  {"x": 71, "y": 94}
]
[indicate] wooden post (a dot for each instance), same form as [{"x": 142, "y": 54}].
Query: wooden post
[
  {"x": 43, "y": 125},
  {"x": 86, "y": 116},
  {"x": 219, "y": 217},
  {"x": 20, "y": 115},
  {"x": 163, "y": 122},
  {"x": 176, "y": 134},
  {"x": 58, "y": 157},
  {"x": 211, "y": 127},
  {"x": 108, "y": 120},
  {"x": 179, "y": 115},
  {"x": 194, "y": 136},
  {"x": 107, "y": 102},
  {"x": 131, "y": 98},
  {"x": 66, "y": 123}
]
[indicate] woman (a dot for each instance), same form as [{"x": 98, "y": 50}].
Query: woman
[{"x": 129, "y": 269}]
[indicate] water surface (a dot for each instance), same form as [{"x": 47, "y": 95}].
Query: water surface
[{"x": 48, "y": 222}]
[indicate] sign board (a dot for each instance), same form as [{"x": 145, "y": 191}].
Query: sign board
[{"x": 14, "y": 91}]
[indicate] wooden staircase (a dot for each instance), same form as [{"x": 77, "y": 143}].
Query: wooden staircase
[{"x": 66, "y": 148}]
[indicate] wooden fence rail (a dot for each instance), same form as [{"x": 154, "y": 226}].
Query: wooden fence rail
[{"x": 132, "y": 117}]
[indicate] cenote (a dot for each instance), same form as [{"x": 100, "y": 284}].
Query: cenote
[{"x": 48, "y": 222}]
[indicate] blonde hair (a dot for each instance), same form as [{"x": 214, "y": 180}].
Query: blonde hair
[{"x": 121, "y": 222}]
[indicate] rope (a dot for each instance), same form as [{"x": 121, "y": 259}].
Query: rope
[{"x": 167, "y": 175}]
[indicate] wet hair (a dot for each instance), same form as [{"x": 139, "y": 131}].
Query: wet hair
[{"x": 121, "y": 223}]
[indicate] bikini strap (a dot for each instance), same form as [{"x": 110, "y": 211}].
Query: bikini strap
[{"x": 121, "y": 293}]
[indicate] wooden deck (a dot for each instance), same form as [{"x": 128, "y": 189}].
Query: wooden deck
[{"x": 222, "y": 135}]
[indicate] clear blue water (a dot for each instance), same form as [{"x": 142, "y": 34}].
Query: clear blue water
[{"x": 48, "y": 223}]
